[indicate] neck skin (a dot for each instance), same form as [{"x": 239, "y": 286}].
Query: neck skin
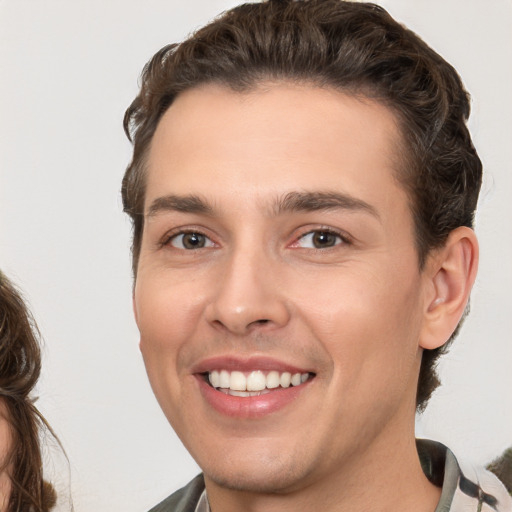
[{"x": 384, "y": 475}]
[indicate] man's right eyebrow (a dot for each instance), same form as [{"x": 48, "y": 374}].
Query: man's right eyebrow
[{"x": 177, "y": 203}]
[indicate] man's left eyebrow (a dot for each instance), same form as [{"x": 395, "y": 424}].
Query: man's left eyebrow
[
  {"x": 314, "y": 201},
  {"x": 176, "y": 203}
]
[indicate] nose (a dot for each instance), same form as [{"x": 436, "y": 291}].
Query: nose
[{"x": 248, "y": 295}]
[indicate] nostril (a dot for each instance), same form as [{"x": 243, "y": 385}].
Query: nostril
[{"x": 263, "y": 321}]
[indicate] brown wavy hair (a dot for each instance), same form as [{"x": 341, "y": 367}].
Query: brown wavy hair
[
  {"x": 356, "y": 48},
  {"x": 20, "y": 367}
]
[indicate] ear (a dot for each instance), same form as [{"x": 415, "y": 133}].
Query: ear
[{"x": 450, "y": 273}]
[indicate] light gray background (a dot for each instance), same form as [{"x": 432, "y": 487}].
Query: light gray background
[{"x": 68, "y": 70}]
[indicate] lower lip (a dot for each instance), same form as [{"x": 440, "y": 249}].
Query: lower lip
[{"x": 250, "y": 406}]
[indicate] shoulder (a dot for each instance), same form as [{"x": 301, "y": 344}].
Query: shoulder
[
  {"x": 464, "y": 488},
  {"x": 484, "y": 487},
  {"x": 184, "y": 500}
]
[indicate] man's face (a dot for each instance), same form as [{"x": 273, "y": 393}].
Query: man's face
[{"x": 277, "y": 242}]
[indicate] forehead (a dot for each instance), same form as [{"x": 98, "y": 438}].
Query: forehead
[{"x": 272, "y": 140}]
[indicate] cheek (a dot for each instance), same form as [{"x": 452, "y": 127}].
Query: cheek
[
  {"x": 165, "y": 309},
  {"x": 166, "y": 317},
  {"x": 368, "y": 322}
]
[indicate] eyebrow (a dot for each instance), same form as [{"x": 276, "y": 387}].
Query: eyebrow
[
  {"x": 184, "y": 204},
  {"x": 288, "y": 203},
  {"x": 316, "y": 201}
]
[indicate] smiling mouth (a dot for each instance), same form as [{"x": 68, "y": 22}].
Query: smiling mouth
[{"x": 255, "y": 383}]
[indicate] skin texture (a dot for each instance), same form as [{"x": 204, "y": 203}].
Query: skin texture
[{"x": 356, "y": 312}]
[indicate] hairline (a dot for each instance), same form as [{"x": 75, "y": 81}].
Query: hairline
[{"x": 402, "y": 154}]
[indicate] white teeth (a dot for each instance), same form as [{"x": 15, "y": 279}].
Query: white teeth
[
  {"x": 285, "y": 379},
  {"x": 238, "y": 382},
  {"x": 296, "y": 379},
  {"x": 273, "y": 380},
  {"x": 245, "y": 393},
  {"x": 214, "y": 379},
  {"x": 224, "y": 380},
  {"x": 232, "y": 392},
  {"x": 255, "y": 383}
]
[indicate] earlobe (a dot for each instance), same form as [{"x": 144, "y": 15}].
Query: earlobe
[{"x": 451, "y": 272}]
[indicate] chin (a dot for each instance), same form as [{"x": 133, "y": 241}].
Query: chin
[
  {"x": 249, "y": 482},
  {"x": 257, "y": 474}
]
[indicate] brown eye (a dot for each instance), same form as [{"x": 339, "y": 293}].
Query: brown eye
[
  {"x": 324, "y": 239},
  {"x": 320, "y": 240},
  {"x": 190, "y": 241}
]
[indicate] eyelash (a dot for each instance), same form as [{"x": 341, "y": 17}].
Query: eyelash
[
  {"x": 344, "y": 239},
  {"x": 169, "y": 237}
]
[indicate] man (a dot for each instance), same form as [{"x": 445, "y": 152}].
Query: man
[{"x": 302, "y": 191}]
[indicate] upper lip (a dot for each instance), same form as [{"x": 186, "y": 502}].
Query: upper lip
[{"x": 246, "y": 364}]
